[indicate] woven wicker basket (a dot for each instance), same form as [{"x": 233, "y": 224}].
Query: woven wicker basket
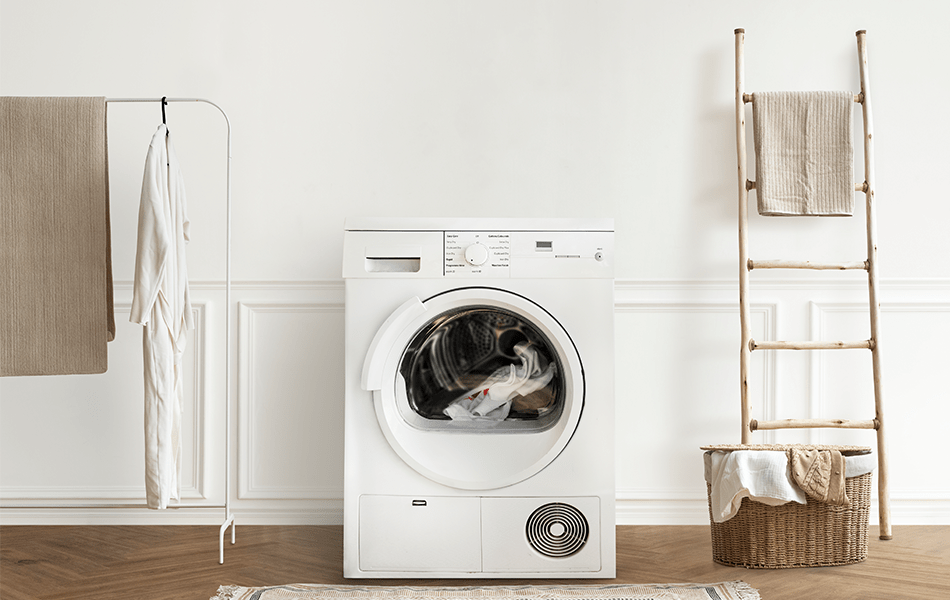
[{"x": 815, "y": 534}]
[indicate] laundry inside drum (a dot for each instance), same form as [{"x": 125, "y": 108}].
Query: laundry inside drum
[{"x": 483, "y": 365}]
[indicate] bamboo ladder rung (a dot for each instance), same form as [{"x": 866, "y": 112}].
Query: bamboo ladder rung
[
  {"x": 860, "y": 186},
  {"x": 858, "y": 265},
  {"x": 814, "y": 423},
  {"x": 747, "y": 98},
  {"x": 780, "y": 345}
]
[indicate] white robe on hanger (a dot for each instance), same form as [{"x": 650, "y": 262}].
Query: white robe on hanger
[{"x": 161, "y": 303}]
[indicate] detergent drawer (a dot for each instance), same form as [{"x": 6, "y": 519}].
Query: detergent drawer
[{"x": 430, "y": 533}]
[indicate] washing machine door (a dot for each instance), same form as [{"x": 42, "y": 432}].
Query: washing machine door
[{"x": 475, "y": 388}]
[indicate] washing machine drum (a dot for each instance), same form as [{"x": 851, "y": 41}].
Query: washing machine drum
[
  {"x": 483, "y": 365},
  {"x": 475, "y": 388}
]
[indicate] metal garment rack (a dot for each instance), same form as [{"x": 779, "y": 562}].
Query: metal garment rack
[
  {"x": 228, "y": 516},
  {"x": 870, "y": 265}
]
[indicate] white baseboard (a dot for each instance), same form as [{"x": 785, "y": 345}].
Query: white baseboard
[{"x": 905, "y": 511}]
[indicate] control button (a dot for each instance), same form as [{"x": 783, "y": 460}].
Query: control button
[
  {"x": 476, "y": 254},
  {"x": 599, "y": 256}
]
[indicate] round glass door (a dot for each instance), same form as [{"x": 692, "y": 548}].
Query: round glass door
[{"x": 476, "y": 388}]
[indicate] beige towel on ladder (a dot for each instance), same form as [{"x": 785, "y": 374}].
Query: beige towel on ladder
[
  {"x": 804, "y": 156},
  {"x": 56, "y": 310}
]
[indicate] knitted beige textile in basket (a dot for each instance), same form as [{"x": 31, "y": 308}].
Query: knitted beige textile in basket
[{"x": 815, "y": 534}]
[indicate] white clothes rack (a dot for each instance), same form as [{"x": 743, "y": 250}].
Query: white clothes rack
[{"x": 228, "y": 516}]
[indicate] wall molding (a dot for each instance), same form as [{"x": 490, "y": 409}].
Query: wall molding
[
  {"x": 260, "y": 503},
  {"x": 249, "y": 488},
  {"x": 629, "y": 511},
  {"x": 833, "y": 280},
  {"x": 193, "y": 489},
  {"x": 819, "y": 313},
  {"x": 768, "y": 312}
]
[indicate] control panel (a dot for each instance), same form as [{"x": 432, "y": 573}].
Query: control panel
[
  {"x": 479, "y": 249},
  {"x": 477, "y": 253},
  {"x": 516, "y": 254}
]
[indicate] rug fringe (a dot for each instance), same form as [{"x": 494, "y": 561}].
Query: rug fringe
[
  {"x": 225, "y": 592},
  {"x": 735, "y": 590},
  {"x": 746, "y": 591}
]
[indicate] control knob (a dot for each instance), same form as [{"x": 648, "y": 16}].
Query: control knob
[{"x": 476, "y": 254}]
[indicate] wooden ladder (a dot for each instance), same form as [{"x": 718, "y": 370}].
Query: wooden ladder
[{"x": 870, "y": 265}]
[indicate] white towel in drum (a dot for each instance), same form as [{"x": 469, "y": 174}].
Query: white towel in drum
[
  {"x": 491, "y": 401},
  {"x": 804, "y": 156}
]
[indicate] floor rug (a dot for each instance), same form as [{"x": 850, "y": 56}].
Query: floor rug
[{"x": 729, "y": 590}]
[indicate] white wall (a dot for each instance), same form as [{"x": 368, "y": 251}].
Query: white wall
[{"x": 604, "y": 109}]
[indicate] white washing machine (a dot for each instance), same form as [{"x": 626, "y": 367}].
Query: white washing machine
[{"x": 479, "y": 431}]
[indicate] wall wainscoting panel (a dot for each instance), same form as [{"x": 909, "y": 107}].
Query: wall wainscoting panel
[
  {"x": 78, "y": 440},
  {"x": 914, "y": 358},
  {"x": 677, "y": 376},
  {"x": 290, "y": 400},
  {"x": 652, "y": 349}
]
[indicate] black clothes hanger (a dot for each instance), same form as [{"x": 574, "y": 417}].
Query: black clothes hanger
[{"x": 164, "y": 102}]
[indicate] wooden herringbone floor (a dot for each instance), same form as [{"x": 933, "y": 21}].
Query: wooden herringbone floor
[{"x": 181, "y": 563}]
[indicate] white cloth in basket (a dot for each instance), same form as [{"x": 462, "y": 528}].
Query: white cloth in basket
[{"x": 762, "y": 475}]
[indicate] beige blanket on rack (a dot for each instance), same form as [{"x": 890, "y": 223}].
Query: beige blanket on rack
[
  {"x": 56, "y": 313},
  {"x": 804, "y": 155}
]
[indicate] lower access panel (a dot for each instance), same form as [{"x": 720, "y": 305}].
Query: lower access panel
[
  {"x": 541, "y": 535},
  {"x": 425, "y": 534}
]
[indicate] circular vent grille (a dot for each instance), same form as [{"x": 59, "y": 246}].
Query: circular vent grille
[{"x": 557, "y": 530}]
